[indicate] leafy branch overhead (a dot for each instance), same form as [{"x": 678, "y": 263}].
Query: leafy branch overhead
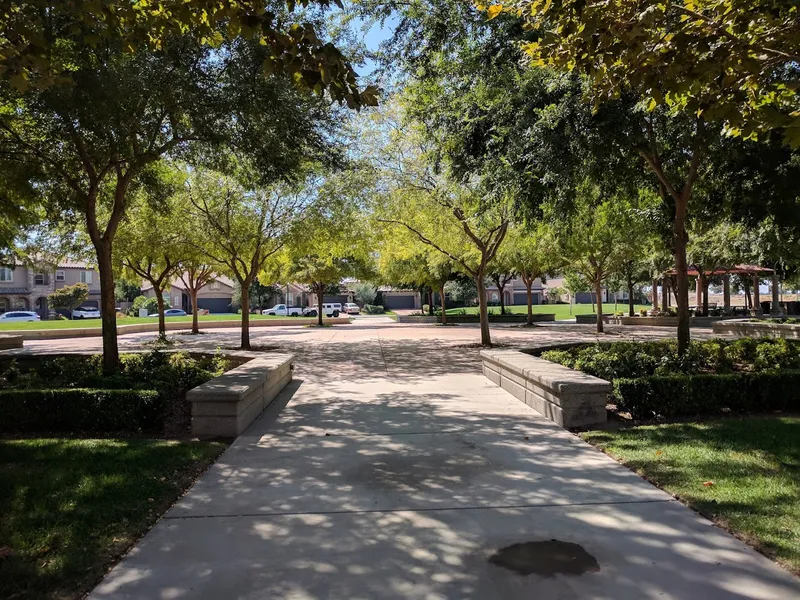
[
  {"x": 732, "y": 61},
  {"x": 38, "y": 35}
]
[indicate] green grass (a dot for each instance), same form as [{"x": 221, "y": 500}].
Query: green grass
[
  {"x": 69, "y": 508},
  {"x": 81, "y": 323},
  {"x": 754, "y": 464},
  {"x": 562, "y": 311}
]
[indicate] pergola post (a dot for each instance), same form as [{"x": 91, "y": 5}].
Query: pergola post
[
  {"x": 698, "y": 295},
  {"x": 775, "y": 306},
  {"x": 756, "y": 295},
  {"x": 664, "y": 294},
  {"x": 726, "y": 293},
  {"x": 655, "y": 294}
]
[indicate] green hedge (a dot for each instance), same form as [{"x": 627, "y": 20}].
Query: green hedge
[
  {"x": 80, "y": 410},
  {"x": 693, "y": 395},
  {"x": 372, "y": 309}
]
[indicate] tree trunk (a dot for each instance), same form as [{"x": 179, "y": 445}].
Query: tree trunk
[
  {"x": 599, "y": 291},
  {"x": 748, "y": 302},
  {"x": 486, "y": 337},
  {"x": 245, "y": 315},
  {"x": 655, "y": 294},
  {"x": 195, "y": 312},
  {"x": 528, "y": 286},
  {"x": 665, "y": 294},
  {"x": 680, "y": 238},
  {"x": 108, "y": 308},
  {"x": 502, "y": 298},
  {"x": 320, "y": 302},
  {"x": 631, "y": 312},
  {"x": 162, "y": 325},
  {"x": 706, "y": 284},
  {"x": 444, "y": 308},
  {"x": 591, "y": 297},
  {"x": 430, "y": 304}
]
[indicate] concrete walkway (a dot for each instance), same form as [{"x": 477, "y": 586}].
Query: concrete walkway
[{"x": 391, "y": 468}]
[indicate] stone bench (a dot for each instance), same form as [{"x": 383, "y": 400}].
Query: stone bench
[
  {"x": 567, "y": 397},
  {"x": 226, "y": 405},
  {"x": 7, "y": 342}
]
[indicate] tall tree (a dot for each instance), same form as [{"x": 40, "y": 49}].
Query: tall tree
[
  {"x": 242, "y": 225},
  {"x": 93, "y": 97},
  {"x": 531, "y": 253}
]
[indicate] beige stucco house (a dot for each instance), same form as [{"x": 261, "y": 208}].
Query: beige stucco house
[{"x": 27, "y": 288}]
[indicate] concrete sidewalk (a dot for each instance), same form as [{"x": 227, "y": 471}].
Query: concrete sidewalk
[{"x": 391, "y": 468}]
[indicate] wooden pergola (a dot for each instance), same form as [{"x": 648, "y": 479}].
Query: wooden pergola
[{"x": 757, "y": 273}]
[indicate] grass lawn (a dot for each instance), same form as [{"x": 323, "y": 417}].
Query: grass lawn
[
  {"x": 70, "y": 507},
  {"x": 561, "y": 311},
  {"x": 744, "y": 474},
  {"x": 80, "y": 323}
]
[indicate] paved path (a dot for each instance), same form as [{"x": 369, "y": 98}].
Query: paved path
[{"x": 391, "y": 468}]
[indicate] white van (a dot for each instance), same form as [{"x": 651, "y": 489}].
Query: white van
[{"x": 333, "y": 309}]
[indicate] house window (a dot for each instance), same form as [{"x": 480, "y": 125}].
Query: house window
[
  {"x": 290, "y": 299},
  {"x": 176, "y": 301},
  {"x": 215, "y": 285},
  {"x": 86, "y": 277},
  {"x": 41, "y": 279},
  {"x": 495, "y": 297},
  {"x": 61, "y": 276},
  {"x": 6, "y": 274}
]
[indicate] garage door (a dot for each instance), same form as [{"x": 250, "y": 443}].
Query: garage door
[
  {"x": 334, "y": 299},
  {"x": 215, "y": 305},
  {"x": 404, "y": 301}
]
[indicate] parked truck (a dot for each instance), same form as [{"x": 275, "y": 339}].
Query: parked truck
[{"x": 281, "y": 310}]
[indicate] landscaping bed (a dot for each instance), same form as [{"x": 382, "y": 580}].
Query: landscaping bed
[
  {"x": 69, "y": 508},
  {"x": 71, "y": 395},
  {"x": 714, "y": 377},
  {"x": 742, "y": 473}
]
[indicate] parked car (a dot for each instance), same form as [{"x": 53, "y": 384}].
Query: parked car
[
  {"x": 174, "y": 312},
  {"x": 281, "y": 310},
  {"x": 351, "y": 308},
  {"x": 86, "y": 312},
  {"x": 329, "y": 310},
  {"x": 20, "y": 315}
]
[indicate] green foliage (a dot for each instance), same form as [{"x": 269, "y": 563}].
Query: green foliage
[
  {"x": 616, "y": 360},
  {"x": 677, "y": 53},
  {"x": 372, "y": 309},
  {"x": 365, "y": 293},
  {"x": 126, "y": 291},
  {"x": 74, "y": 410},
  {"x": 69, "y": 297},
  {"x": 151, "y": 304},
  {"x": 704, "y": 394}
]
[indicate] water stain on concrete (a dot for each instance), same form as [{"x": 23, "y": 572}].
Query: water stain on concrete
[{"x": 545, "y": 558}]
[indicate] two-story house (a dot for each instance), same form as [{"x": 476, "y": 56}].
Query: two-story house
[
  {"x": 215, "y": 297},
  {"x": 515, "y": 292},
  {"x": 27, "y": 288}
]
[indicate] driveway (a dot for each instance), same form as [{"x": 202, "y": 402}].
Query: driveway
[{"x": 391, "y": 468}]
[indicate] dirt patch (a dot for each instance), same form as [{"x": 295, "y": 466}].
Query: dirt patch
[{"x": 545, "y": 558}]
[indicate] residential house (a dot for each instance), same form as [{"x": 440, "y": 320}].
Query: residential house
[
  {"x": 516, "y": 293},
  {"x": 585, "y": 297},
  {"x": 27, "y": 288},
  {"x": 215, "y": 297}
]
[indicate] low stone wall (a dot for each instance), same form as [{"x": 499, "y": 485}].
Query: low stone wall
[
  {"x": 78, "y": 332},
  {"x": 586, "y": 319},
  {"x": 757, "y": 329},
  {"x": 226, "y": 405},
  {"x": 662, "y": 321},
  {"x": 7, "y": 342},
  {"x": 567, "y": 397},
  {"x": 516, "y": 318}
]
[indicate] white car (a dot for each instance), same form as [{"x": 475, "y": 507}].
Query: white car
[
  {"x": 281, "y": 310},
  {"x": 20, "y": 315},
  {"x": 86, "y": 312},
  {"x": 351, "y": 308},
  {"x": 329, "y": 310}
]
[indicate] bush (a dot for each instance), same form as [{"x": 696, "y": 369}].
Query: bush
[
  {"x": 372, "y": 309},
  {"x": 151, "y": 304},
  {"x": 693, "y": 395},
  {"x": 79, "y": 409}
]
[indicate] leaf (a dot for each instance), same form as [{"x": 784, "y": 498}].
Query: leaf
[
  {"x": 708, "y": 484},
  {"x": 494, "y": 10}
]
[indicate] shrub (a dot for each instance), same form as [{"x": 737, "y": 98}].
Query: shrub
[
  {"x": 372, "y": 309},
  {"x": 151, "y": 304},
  {"x": 80, "y": 409},
  {"x": 693, "y": 395}
]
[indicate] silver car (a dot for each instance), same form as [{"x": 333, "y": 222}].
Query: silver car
[{"x": 19, "y": 315}]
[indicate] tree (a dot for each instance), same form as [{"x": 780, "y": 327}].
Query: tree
[
  {"x": 242, "y": 225},
  {"x": 733, "y": 61},
  {"x": 575, "y": 284},
  {"x": 332, "y": 242},
  {"x": 588, "y": 243},
  {"x": 364, "y": 293},
  {"x": 712, "y": 248},
  {"x": 149, "y": 249},
  {"x": 69, "y": 297},
  {"x": 529, "y": 252},
  {"x": 92, "y": 97},
  {"x": 463, "y": 220},
  {"x": 126, "y": 290}
]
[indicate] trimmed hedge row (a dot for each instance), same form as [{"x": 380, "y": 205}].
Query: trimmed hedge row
[
  {"x": 704, "y": 394},
  {"x": 80, "y": 410}
]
